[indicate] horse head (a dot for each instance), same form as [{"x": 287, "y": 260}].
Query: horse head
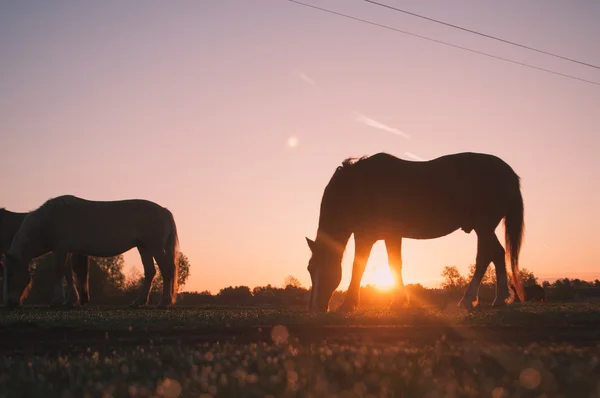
[
  {"x": 16, "y": 280},
  {"x": 325, "y": 271}
]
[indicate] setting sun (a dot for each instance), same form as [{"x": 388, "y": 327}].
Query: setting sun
[
  {"x": 378, "y": 272},
  {"x": 381, "y": 276}
]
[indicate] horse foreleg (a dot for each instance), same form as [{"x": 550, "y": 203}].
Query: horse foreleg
[
  {"x": 72, "y": 294},
  {"x": 394, "y": 252},
  {"x": 502, "y": 293},
  {"x": 362, "y": 250},
  {"x": 81, "y": 266},
  {"x": 58, "y": 296},
  {"x": 483, "y": 259},
  {"x": 149, "y": 273}
]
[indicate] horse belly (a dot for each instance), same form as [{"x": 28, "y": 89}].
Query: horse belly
[
  {"x": 416, "y": 218},
  {"x": 99, "y": 238}
]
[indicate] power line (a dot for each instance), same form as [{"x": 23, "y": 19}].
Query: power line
[
  {"x": 444, "y": 43},
  {"x": 483, "y": 34}
]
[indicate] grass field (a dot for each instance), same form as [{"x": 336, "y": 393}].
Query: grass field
[{"x": 526, "y": 350}]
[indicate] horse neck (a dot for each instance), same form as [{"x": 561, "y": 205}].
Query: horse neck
[
  {"x": 29, "y": 243},
  {"x": 334, "y": 238},
  {"x": 9, "y": 225}
]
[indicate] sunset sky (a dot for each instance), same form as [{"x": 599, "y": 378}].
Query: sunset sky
[{"x": 235, "y": 114}]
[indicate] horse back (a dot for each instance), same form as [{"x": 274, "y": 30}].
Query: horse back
[
  {"x": 111, "y": 215},
  {"x": 428, "y": 198}
]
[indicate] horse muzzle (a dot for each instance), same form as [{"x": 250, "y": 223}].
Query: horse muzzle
[{"x": 12, "y": 302}]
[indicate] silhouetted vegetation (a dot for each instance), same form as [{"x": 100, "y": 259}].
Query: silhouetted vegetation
[{"x": 108, "y": 285}]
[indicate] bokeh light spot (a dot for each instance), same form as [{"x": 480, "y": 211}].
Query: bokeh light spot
[
  {"x": 279, "y": 334},
  {"x": 530, "y": 378},
  {"x": 169, "y": 388},
  {"x": 292, "y": 142}
]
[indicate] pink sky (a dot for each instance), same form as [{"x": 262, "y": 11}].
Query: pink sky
[{"x": 193, "y": 105}]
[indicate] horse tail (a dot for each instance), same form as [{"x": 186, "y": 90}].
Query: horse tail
[
  {"x": 172, "y": 250},
  {"x": 514, "y": 227}
]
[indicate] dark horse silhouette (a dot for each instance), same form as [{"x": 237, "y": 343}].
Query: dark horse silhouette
[
  {"x": 68, "y": 224},
  {"x": 382, "y": 197},
  {"x": 533, "y": 293},
  {"x": 10, "y": 222}
]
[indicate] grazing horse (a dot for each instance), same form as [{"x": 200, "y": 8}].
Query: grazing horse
[
  {"x": 9, "y": 225},
  {"x": 533, "y": 293},
  {"x": 382, "y": 197},
  {"x": 68, "y": 224}
]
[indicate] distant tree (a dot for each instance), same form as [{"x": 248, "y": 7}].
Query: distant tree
[
  {"x": 563, "y": 289},
  {"x": 110, "y": 269},
  {"x": 235, "y": 295},
  {"x": 527, "y": 277},
  {"x": 546, "y": 284},
  {"x": 295, "y": 294},
  {"x": 182, "y": 274},
  {"x": 195, "y": 298},
  {"x": 264, "y": 294},
  {"x": 453, "y": 280},
  {"x": 184, "y": 269},
  {"x": 106, "y": 279},
  {"x": 489, "y": 278},
  {"x": 291, "y": 280},
  {"x": 134, "y": 279}
]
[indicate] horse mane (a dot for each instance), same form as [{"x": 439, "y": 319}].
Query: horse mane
[
  {"x": 49, "y": 204},
  {"x": 336, "y": 191},
  {"x": 42, "y": 212},
  {"x": 346, "y": 163}
]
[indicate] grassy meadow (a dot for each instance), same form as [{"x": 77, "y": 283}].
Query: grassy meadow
[{"x": 259, "y": 352}]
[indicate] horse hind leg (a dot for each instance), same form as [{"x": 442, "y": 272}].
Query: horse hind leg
[
  {"x": 166, "y": 265},
  {"x": 499, "y": 259},
  {"x": 485, "y": 250},
  {"x": 149, "y": 273},
  {"x": 394, "y": 252}
]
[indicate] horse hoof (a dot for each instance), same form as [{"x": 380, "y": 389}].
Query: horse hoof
[
  {"x": 346, "y": 307},
  {"x": 399, "y": 304},
  {"x": 139, "y": 303},
  {"x": 466, "y": 304},
  {"x": 73, "y": 304},
  {"x": 499, "y": 304}
]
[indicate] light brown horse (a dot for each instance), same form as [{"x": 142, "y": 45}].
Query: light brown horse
[
  {"x": 382, "y": 197},
  {"x": 68, "y": 224},
  {"x": 10, "y": 222}
]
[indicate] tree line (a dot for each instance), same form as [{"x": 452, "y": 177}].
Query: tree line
[{"x": 108, "y": 285}]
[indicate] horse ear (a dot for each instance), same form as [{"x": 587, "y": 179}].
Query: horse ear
[{"x": 311, "y": 244}]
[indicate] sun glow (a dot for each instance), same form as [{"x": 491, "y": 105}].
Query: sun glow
[
  {"x": 382, "y": 277},
  {"x": 378, "y": 272}
]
